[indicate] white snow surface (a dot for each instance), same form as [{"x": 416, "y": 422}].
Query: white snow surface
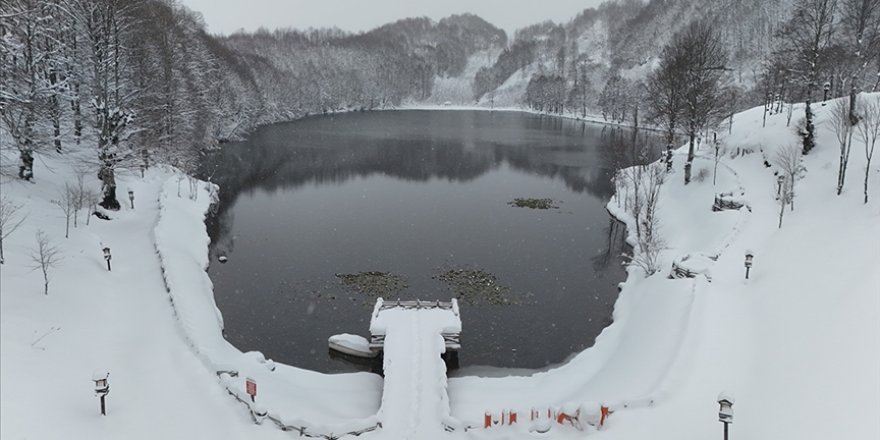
[
  {"x": 415, "y": 402},
  {"x": 800, "y": 337},
  {"x": 358, "y": 345}
]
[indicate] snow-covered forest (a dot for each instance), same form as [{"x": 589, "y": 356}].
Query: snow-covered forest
[{"x": 142, "y": 81}]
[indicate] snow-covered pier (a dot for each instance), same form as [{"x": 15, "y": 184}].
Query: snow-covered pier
[{"x": 413, "y": 336}]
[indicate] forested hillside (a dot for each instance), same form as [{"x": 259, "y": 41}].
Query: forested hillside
[{"x": 140, "y": 81}]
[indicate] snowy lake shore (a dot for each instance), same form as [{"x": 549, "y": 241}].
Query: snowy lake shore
[{"x": 799, "y": 337}]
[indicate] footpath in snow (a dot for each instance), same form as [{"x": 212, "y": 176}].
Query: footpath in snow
[
  {"x": 414, "y": 397},
  {"x": 797, "y": 344}
]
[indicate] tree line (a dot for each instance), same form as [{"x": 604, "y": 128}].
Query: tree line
[{"x": 140, "y": 81}]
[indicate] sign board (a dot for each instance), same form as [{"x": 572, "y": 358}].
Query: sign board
[{"x": 251, "y": 387}]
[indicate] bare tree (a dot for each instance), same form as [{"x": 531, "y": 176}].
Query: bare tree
[
  {"x": 860, "y": 26},
  {"x": 843, "y": 129},
  {"x": 91, "y": 199},
  {"x": 665, "y": 96},
  {"x": 702, "y": 50},
  {"x": 788, "y": 159},
  {"x": 66, "y": 202},
  {"x": 649, "y": 242},
  {"x": 10, "y": 219},
  {"x": 79, "y": 195},
  {"x": 717, "y": 159},
  {"x": 783, "y": 199},
  {"x": 45, "y": 257},
  {"x": 807, "y": 35},
  {"x": 645, "y": 182},
  {"x": 869, "y": 131}
]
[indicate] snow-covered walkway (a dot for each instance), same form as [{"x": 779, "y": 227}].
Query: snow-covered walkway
[{"x": 414, "y": 400}]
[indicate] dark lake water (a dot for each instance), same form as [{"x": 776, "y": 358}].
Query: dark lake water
[{"x": 418, "y": 193}]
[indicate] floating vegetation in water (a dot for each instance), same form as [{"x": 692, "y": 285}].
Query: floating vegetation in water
[
  {"x": 533, "y": 203},
  {"x": 373, "y": 284},
  {"x": 475, "y": 286}
]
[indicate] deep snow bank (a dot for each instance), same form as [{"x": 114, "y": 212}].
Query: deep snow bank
[{"x": 294, "y": 397}]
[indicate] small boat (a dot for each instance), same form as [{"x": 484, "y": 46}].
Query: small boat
[{"x": 352, "y": 345}]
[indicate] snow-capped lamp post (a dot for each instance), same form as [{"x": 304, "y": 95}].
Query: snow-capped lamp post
[
  {"x": 725, "y": 412},
  {"x": 780, "y": 179},
  {"x": 131, "y": 198},
  {"x": 107, "y": 257},
  {"x": 827, "y": 88},
  {"x": 749, "y": 256},
  {"x": 102, "y": 387}
]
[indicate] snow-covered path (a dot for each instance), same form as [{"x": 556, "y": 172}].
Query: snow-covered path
[{"x": 414, "y": 399}]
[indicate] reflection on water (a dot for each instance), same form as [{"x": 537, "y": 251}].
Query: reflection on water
[{"x": 419, "y": 194}]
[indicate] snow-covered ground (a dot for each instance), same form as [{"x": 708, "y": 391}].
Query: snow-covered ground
[{"x": 797, "y": 345}]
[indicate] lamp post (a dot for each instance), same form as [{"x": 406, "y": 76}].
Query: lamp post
[
  {"x": 780, "y": 179},
  {"x": 107, "y": 257},
  {"x": 725, "y": 412},
  {"x": 827, "y": 88},
  {"x": 102, "y": 387},
  {"x": 749, "y": 256},
  {"x": 131, "y": 198}
]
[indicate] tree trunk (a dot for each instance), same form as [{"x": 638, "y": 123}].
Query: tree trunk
[
  {"x": 809, "y": 140},
  {"x": 781, "y": 211},
  {"x": 26, "y": 169},
  {"x": 867, "y": 173},
  {"x": 690, "y": 158},
  {"x": 56, "y": 125},
  {"x": 764, "y": 123},
  {"x": 77, "y": 115},
  {"x": 844, "y": 162},
  {"x": 853, "y": 118},
  {"x": 108, "y": 180}
]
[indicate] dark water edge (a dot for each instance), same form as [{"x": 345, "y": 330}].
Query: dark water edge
[{"x": 396, "y": 184}]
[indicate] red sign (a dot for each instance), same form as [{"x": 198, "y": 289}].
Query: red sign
[{"x": 251, "y": 387}]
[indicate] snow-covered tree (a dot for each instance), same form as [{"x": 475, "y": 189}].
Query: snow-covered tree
[
  {"x": 869, "y": 131},
  {"x": 805, "y": 39},
  {"x": 860, "y": 35},
  {"x": 29, "y": 76}
]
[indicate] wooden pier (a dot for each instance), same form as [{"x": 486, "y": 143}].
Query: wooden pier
[
  {"x": 451, "y": 338},
  {"x": 414, "y": 339}
]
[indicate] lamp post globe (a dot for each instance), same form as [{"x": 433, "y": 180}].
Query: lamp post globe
[
  {"x": 725, "y": 410},
  {"x": 748, "y": 263},
  {"x": 107, "y": 257}
]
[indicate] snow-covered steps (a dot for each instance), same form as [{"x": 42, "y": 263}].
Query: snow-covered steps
[{"x": 415, "y": 401}]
